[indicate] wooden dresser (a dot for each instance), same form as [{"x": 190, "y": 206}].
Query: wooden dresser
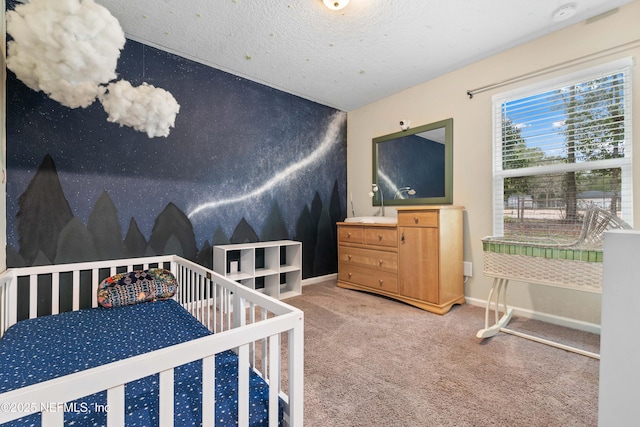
[{"x": 418, "y": 261}]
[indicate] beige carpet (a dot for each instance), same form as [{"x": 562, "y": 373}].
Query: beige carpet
[{"x": 371, "y": 361}]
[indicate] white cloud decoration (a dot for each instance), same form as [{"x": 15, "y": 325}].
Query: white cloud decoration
[
  {"x": 69, "y": 49},
  {"x": 145, "y": 108},
  {"x": 65, "y": 48}
]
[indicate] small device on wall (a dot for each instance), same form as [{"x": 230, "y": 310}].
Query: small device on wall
[{"x": 404, "y": 124}]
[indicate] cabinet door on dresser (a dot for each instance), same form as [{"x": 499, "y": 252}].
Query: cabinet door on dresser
[{"x": 418, "y": 256}]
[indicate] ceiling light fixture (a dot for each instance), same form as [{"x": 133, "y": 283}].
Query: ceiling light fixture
[
  {"x": 335, "y": 4},
  {"x": 564, "y": 12}
]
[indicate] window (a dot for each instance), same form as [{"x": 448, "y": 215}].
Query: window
[{"x": 560, "y": 147}]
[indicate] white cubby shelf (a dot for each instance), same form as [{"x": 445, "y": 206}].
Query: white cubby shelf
[{"x": 274, "y": 268}]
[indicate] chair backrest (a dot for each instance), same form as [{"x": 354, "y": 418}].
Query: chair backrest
[{"x": 596, "y": 222}]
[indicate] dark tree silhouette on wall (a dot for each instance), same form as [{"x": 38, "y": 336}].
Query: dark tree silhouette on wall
[
  {"x": 45, "y": 239},
  {"x": 76, "y": 244},
  {"x": 105, "y": 228},
  {"x": 305, "y": 233},
  {"x": 219, "y": 238},
  {"x": 335, "y": 212},
  {"x": 274, "y": 228},
  {"x": 205, "y": 256},
  {"x": 44, "y": 212},
  {"x": 173, "y": 223},
  {"x": 325, "y": 245},
  {"x": 335, "y": 208},
  {"x": 135, "y": 245},
  {"x": 244, "y": 233}
]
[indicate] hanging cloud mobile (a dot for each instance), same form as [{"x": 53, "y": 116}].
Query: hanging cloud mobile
[
  {"x": 144, "y": 108},
  {"x": 69, "y": 49}
]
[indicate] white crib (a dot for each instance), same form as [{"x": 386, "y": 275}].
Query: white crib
[{"x": 266, "y": 334}]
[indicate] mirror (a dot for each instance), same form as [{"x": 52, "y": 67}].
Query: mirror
[{"x": 415, "y": 166}]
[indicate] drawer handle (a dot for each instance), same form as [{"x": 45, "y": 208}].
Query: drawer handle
[
  {"x": 349, "y": 257},
  {"x": 380, "y": 262},
  {"x": 348, "y": 235},
  {"x": 380, "y": 282},
  {"x": 380, "y": 237},
  {"x": 415, "y": 219},
  {"x": 349, "y": 275}
]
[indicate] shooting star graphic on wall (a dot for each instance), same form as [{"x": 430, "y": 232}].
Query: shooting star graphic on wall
[{"x": 330, "y": 138}]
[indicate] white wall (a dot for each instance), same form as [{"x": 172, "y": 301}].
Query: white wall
[
  {"x": 446, "y": 97},
  {"x": 619, "y": 347}
]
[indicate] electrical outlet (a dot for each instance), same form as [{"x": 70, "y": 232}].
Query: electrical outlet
[{"x": 467, "y": 268}]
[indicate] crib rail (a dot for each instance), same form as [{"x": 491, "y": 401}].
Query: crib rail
[
  {"x": 246, "y": 321},
  {"x": 37, "y": 291},
  {"x": 5, "y": 281}
]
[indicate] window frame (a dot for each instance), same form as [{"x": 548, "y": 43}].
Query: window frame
[{"x": 622, "y": 66}]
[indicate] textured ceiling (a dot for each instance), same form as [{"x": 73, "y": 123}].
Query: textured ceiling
[{"x": 348, "y": 58}]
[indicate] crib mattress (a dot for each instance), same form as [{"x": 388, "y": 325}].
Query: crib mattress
[{"x": 48, "y": 347}]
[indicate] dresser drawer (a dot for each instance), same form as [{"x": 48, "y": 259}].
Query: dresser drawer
[
  {"x": 376, "y": 260},
  {"x": 381, "y": 236},
  {"x": 350, "y": 234},
  {"x": 376, "y": 280},
  {"x": 418, "y": 219}
]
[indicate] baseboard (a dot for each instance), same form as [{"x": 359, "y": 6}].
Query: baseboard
[
  {"x": 543, "y": 317},
  {"x": 319, "y": 279}
]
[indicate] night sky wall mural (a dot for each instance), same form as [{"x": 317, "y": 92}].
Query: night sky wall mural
[{"x": 244, "y": 162}]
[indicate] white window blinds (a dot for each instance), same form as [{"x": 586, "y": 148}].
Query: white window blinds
[{"x": 560, "y": 147}]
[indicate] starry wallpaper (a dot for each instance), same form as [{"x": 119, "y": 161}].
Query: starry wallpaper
[{"x": 244, "y": 162}]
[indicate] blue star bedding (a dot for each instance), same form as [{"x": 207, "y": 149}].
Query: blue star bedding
[{"x": 48, "y": 347}]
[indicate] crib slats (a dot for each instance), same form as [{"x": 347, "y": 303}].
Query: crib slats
[
  {"x": 197, "y": 291},
  {"x": 252, "y": 346},
  {"x": 33, "y": 296},
  {"x": 53, "y": 418},
  {"x": 55, "y": 293},
  {"x": 266, "y": 363},
  {"x": 76, "y": 289},
  {"x": 227, "y": 309},
  {"x": 208, "y": 391},
  {"x": 208, "y": 304},
  {"x": 295, "y": 344},
  {"x": 95, "y": 281},
  {"x": 243, "y": 385},
  {"x": 211, "y": 305},
  {"x": 166, "y": 398},
  {"x": 274, "y": 379},
  {"x": 10, "y": 303},
  {"x": 214, "y": 304},
  {"x": 4, "y": 302},
  {"x": 115, "y": 402}
]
